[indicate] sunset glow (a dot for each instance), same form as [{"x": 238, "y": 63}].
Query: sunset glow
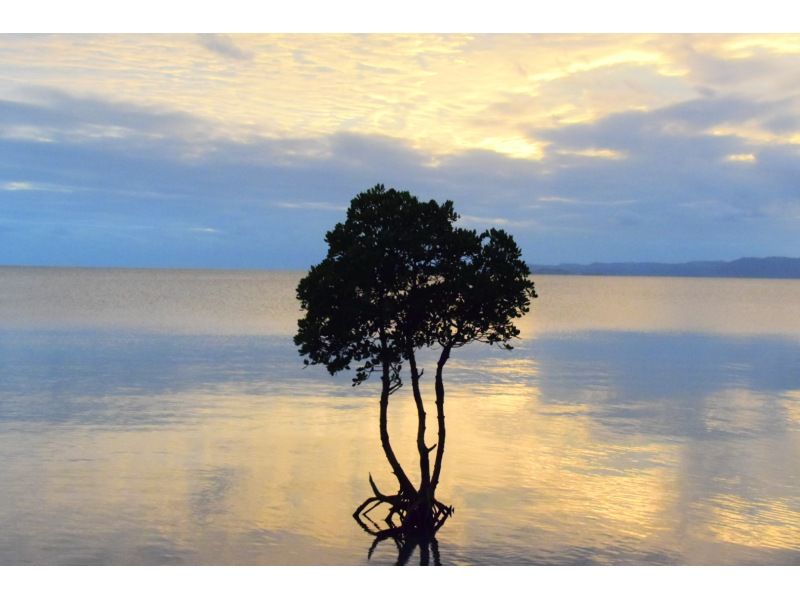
[{"x": 171, "y": 136}]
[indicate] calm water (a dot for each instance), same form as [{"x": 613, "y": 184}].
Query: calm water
[{"x": 163, "y": 417}]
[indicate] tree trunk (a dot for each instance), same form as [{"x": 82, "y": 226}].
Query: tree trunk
[
  {"x": 406, "y": 487},
  {"x": 437, "y": 466},
  {"x": 424, "y": 461}
]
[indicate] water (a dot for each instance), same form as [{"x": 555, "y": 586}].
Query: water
[{"x": 164, "y": 417}]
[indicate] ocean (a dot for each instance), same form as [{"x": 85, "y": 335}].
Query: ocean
[{"x": 165, "y": 417}]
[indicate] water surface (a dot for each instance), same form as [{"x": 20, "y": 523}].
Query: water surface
[{"x": 164, "y": 417}]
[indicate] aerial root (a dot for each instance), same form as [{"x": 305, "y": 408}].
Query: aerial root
[{"x": 410, "y": 518}]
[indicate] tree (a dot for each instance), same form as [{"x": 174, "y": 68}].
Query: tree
[{"x": 398, "y": 277}]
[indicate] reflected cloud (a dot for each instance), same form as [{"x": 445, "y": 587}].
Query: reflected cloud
[
  {"x": 170, "y": 301},
  {"x": 642, "y": 304},
  {"x": 755, "y": 524}
]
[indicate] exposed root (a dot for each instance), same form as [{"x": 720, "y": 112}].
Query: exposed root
[{"x": 411, "y": 521}]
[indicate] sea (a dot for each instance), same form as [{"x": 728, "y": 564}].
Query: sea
[{"x": 164, "y": 417}]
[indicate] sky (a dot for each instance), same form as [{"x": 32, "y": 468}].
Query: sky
[{"x": 240, "y": 151}]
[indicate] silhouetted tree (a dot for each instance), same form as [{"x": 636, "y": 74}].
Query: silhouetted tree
[{"x": 399, "y": 276}]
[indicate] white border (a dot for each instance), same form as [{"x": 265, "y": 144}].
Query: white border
[
  {"x": 400, "y": 16},
  {"x": 390, "y": 582},
  {"x": 407, "y": 16}
]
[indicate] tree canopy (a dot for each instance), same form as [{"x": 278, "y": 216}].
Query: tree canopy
[{"x": 399, "y": 276}]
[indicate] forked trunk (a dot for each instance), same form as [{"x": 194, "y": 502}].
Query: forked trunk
[
  {"x": 406, "y": 487},
  {"x": 424, "y": 460},
  {"x": 437, "y": 465},
  {"x": 414, "y": 515}
]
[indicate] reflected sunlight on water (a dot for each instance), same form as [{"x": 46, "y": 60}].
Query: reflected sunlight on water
[{"x": 165, "y": 418}]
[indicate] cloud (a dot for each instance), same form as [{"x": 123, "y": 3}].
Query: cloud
[
  {"x": 483, "y": 220},
  {"x": 442, "y": 94},
  {"x": 311, "y": 205},
  {"x": 223, "y": 45},
  {"x": 758, "y": 73},
  {"x": 594, "y": 152},
  {"x": 557, "y": 199},
  {"x": 30, "y": 186},
  {"x": 50, "y": 115},
  {"x": 740, "y": 158},
  {"x": 137, "y": 198}
]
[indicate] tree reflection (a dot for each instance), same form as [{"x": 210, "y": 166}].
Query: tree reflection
[{"x": 409, "y": 523}]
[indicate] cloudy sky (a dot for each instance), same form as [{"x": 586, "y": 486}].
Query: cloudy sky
[{"x": 242, "y": 150}]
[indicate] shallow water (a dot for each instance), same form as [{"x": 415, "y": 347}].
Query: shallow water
[{"x": 164, "y": 417}]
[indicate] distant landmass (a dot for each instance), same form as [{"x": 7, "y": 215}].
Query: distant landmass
[{"x": 746, "y": 267}]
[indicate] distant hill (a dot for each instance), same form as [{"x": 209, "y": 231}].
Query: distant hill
[{"x": 746, "y": 267}]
